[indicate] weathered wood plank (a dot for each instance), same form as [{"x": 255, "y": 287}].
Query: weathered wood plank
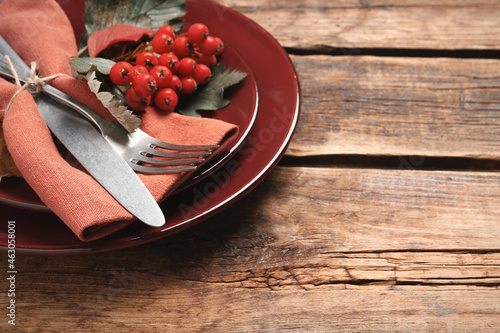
[
  {"x": 398, "y": 106},
  {"x": 377, "y": 210},
  {"x": 377, "y": 24},
  {"x": 361, "y": 250},
  {"x": 326, "y": 249},
  {"x": 171, "y": 306}
]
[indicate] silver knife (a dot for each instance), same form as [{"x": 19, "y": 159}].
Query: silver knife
[{"x": 95, "y": 154}]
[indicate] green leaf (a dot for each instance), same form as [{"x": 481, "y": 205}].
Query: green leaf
[
  {"x": 211, "y": 96},
  {"x": 114, "y": 105},
  {"x": 224, "y": 77},
  {"x": 149, "y": 14},
  {"x": 86, "y": 64}
]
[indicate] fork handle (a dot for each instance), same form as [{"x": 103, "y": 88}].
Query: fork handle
[{"x": 23, "y": 72}]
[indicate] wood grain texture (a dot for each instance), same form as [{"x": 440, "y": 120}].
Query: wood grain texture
[
  {"x": 361, "y": 250},
  {"x": 398, "y": 106},
  {"x": 322, "y": 246},
  {"x": 352, "y": 24}
]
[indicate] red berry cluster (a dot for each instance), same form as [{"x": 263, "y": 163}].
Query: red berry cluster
[{"x": 170, "y": 65}]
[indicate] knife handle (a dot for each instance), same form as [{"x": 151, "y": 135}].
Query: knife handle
[{"x": 23, "y": 72}]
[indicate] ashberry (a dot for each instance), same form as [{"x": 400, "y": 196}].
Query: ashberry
[
  {"x": 135, "y": 102},
  {"x": 176, "y": 84},
  {"x": 186, "y": 67},
  {"x": 166, "y": 99},
  {"x": 138, "y": 69},
  {"x": 197, "y": 33},
  {"x": 144, "y": 85},
  {"x": 162, "y": 76},
  {"x": 209, "y": 60},
  {"x": 189, "y": 85},
  {"x": 169, "y": 66},
  {"x": 220, "y": 46},
  {"x": 170, "y": 61},
  {"x": 202, "y": 74},
  {"x": 121, "y": 73},
  {"x": 162, "y": 43},
  {"x": 166, "y": 29},
  {"x": 146, "y": 59},
  {"x": 209, "y": 46},
  {"x": 182, "y": 47}
]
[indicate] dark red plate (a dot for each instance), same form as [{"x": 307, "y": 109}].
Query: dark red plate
[
  {"x": 242, "y": 112},
  {"x": 278, "y": 113}
]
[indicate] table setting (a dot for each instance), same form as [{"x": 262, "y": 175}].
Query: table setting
[
  {"x": 306, "y": 167},
  {"x": 244, "y": 116}
]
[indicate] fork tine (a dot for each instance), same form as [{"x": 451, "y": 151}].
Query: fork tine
[
  {"x": 165, "y": 145},
  {"x": 153, "y": 170},
  {"x": 160, "y": 153},
  {"x": 154, "y": 161}
]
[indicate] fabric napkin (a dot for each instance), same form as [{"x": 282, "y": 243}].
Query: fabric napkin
[{"x": 40, "y": 31}]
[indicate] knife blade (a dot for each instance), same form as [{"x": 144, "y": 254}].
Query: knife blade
[{"x": 95, "y": 154}]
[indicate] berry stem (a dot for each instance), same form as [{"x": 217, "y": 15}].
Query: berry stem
[
  {"x": 83, "y": 49},
  {"x": 123, "y": 57},
  {"x": 196, "y": 52},
  {"x": 123, "y": 49},
  {"x": 140, "y": 48},
  {"x": 121, "y": 89}
]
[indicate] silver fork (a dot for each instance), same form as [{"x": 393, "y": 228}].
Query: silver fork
[{"x": 142, "y": 152}]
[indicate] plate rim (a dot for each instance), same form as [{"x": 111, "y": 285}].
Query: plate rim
[
  {"x": 194, "y": 179},
  {"x": 104, "y": 245}
]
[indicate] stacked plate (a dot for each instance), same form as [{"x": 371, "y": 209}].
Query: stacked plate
[{"x": 265, "y": 106}]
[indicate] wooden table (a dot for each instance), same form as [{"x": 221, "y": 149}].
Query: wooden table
[{"x": 383, "y": 216}]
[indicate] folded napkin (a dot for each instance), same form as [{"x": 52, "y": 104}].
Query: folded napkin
[{"x": 40, "y": 31}]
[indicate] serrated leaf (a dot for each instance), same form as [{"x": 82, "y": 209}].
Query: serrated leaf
[
  {"x": 121, "y": 113},
  {"x": 211, "y": 96},
  {"x": 148, "y": 14},
  {"x": 87, "y": 64},
  {"x": 224, "y": 77}
]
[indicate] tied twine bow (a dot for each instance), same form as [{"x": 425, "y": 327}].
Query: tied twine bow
[{"x": 34, "y": 82}]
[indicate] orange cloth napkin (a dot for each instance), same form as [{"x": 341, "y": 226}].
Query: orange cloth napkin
[{"x": 40, "y": 31}]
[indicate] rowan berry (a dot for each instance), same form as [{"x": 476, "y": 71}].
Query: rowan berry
[
  {"x": 209, "y": 46},
  {"x": 209, "y": 60},
  {"x": 138, "y": 69},
  {"x": 197, "y": 33},
  {"x": 144, "y": 85},
  {"x": 182, "y": 47},
  {"x": 162, "y": 43},
  {"x": 170, "y": 61},
  {"x": 146, "y": 59},
  {"x": 162, "y": 76},
  {"x": 176, "y": 84},
  {"x": 166, "y": 99},
  {"x": 186, "y": 67},
  {"x": 189, "y": 85},
  {"x": 136, "y": 102},
  {"x": 220, "y": 46},
  {"x": 202, "y": 74},
  {"x": 121, "y": 73},
  {"x": 166, "y": 29}
]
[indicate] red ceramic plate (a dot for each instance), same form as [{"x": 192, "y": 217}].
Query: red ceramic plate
[
  {"x": 278, "y": 104},
  {"x": 242, "y": 112}
]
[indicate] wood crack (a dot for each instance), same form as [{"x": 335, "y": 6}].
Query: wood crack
[
  {"x": 393, "y": 162},
  {"x": 393, "y": 52},
  {"x": 388, "y": 270}
]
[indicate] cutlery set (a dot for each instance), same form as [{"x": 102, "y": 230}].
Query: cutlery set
[{"x": 110, "y": 153}]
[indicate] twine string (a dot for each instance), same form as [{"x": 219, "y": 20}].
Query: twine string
[{"x": 34, "y": 82}]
